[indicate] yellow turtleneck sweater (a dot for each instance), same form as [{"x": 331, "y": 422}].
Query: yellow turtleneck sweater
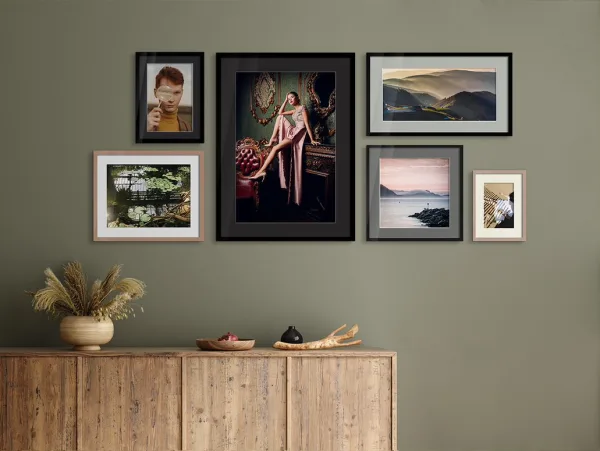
[{"x": 168, "y": 122}]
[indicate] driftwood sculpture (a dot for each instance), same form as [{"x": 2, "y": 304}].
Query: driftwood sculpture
[{"x": 330, "y": 341}]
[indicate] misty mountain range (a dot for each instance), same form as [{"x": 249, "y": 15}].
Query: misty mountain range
[
  {"x": 448, "y": 95},
  {"x": 384, "y": 191}
]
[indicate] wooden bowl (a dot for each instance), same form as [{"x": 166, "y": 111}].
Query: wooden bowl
[{"x": 213, "y": 344}]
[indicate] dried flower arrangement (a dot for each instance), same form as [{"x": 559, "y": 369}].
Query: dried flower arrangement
[{"x": 71, "y": 298}]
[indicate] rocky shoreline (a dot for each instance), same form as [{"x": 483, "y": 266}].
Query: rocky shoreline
[{"x": 434, "y": 217}]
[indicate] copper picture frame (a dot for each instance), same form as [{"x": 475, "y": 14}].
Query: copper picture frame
[
  {"x": 499, "y": 205},
  {"x": 148, "y": 195}
]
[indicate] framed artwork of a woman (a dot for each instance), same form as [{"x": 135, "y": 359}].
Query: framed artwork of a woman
[{"x": 285, "y": 143}]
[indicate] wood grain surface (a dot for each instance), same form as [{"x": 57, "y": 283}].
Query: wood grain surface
[
  {"x": 341, "y": 404},
  {"x": 131, "y": 403},
  {"x": 37, "y": 403},
  {"x": 236, "y": 404},
  {"x": 108, "y": 351},
  {"x": 183, "y": 399}
]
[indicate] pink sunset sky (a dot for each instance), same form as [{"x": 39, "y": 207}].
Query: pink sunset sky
[{"x": 415, "y": 173}]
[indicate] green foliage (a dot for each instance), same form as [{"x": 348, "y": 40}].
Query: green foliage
[
  {"x": 138, "y": 214},
  {"x": 165, "y": 185}
]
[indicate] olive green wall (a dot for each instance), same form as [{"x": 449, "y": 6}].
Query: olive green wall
[{"x": 498, "y": 343}]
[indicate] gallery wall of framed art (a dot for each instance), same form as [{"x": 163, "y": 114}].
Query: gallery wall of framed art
[{"x": 285, "y": 149}]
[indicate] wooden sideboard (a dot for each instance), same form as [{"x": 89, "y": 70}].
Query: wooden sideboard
[{"x": 164, "y": 399}]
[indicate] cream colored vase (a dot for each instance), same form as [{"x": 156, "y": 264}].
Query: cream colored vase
[{"x": 86, "y": 333}]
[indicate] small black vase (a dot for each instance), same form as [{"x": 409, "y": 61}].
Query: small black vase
[{"x": 291, "y": 336}]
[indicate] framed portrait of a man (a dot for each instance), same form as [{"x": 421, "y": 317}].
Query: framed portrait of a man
[{"x": 169, "y": 97}]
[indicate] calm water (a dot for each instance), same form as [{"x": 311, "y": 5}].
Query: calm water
[{"x": 394, "y": 212}]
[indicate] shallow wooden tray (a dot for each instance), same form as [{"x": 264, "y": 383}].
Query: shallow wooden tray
[{"x": 213, "y": 344}]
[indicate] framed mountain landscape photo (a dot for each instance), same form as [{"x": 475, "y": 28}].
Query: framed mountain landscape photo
[
  {"x": 439, "y": 94},
  {"x": 414, "y": 193}
]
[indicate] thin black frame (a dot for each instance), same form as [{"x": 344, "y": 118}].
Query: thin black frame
[
  {"x": 460, "y": 148},
  {"x": 508, "y": 55},
  {"x": 197, "y": 133},
  {"x": 288, "y": 234}
]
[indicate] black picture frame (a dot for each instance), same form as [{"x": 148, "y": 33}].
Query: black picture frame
[
  {"x": 502, "y": 126},
  {"x": 196, "y": 59},
  {"x": 454, "y": 232},
  {"x": 227, "y": 67}
]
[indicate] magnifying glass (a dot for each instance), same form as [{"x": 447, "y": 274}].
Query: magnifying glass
[{"x": 164, "y": 93}]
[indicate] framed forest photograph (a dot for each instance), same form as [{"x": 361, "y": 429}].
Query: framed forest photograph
[
  {"x": 285, "y": 133},
  {"x": 499, "y": 212},
  {"x": 439, "y": 94},
  {"x": 148, "y": 196},
  {"x": 414, "y": 193},
  {"x": 169, "y": 97}
]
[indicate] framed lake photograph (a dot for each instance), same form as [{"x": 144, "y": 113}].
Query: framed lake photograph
[
  {"x": 499, "y": 212},
  {"x": 169, "y": 97},
  {"x": 148, "y": 196},
  {"x": 285, "y": 143},
  {"x": 439, "y": 94},
  {"x": 414, "y": 193}
]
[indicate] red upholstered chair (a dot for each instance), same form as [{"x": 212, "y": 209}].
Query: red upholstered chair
[{"x": 248, "y": 159}]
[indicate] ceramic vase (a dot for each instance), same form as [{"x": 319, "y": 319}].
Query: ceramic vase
[
  {"x": 291, "y": 335},
  {"x": 86, "y": 333}
]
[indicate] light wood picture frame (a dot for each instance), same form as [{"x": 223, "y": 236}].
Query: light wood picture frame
[
  {"x": 148, "y": 195},
  {"x": 499, "y": 205}
]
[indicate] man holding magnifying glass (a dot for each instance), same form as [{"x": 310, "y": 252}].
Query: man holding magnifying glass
[{"x": 168, "y": 89}]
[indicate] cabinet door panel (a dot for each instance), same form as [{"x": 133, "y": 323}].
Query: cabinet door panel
[
  {"x": 38, "y": 403},
  {"x": 236, "y": 404},
  {"x": 131, "y": 403},
  {"x": 341, "y": 404}
]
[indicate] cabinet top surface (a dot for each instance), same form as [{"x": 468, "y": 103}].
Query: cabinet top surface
[{"x": 110, "y": 351}]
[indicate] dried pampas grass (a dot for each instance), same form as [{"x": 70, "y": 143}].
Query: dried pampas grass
[{"x": 109, "y": 298}]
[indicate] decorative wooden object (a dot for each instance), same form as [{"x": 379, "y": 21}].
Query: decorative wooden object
[
  {"x": 330, "y": 341},
  {"x": 213, "y": 344},
  {"x": 161, "y": 399}
]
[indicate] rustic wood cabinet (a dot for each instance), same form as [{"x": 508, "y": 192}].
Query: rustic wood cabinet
[{"x": 185, "y": 399}]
